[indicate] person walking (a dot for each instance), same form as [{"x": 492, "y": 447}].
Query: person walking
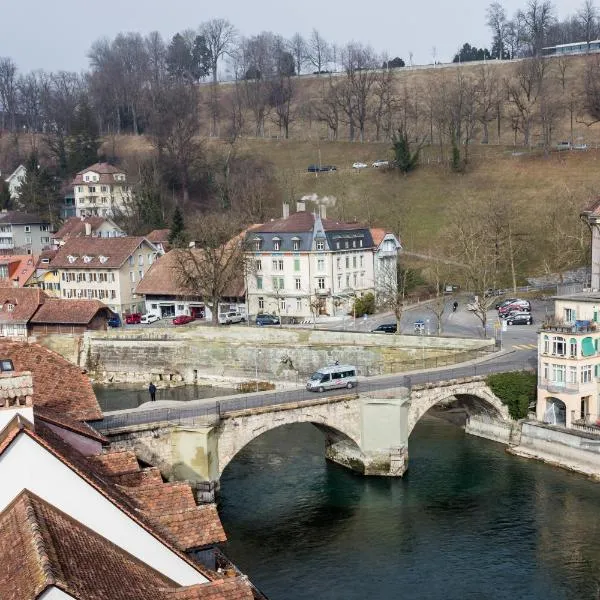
[
  {"x": 454, "y": 306},
  {"x": 152, "y": 391}
]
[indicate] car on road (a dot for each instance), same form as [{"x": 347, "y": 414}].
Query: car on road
[
  {"x": 563, "y": 146},
  {"x": 580, "y": 147},
  {"x": 332, "y": 377},
  {"x": 359, "y": 165},
  {"x": 321, "y": 168},
  {"x": 133, "y": 318},
  {"x": 505, "y": 302},
  {"x": 518, "y": 305},
  {"x": 149, "y": 318},
  {"x": 265, "y": 319},
  {"x": 183, "y": 320},
  {"x": 514, "y": 313},
  {"x": 231, "y": 317},
  {"x": 114, "y": 321},
  {"x": 520, "y": 319},
  {"x": 380, "y": 163},
  {"x": 385, "y": 328}
]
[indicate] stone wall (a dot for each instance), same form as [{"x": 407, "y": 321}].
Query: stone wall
[
  {"x": 489, "y": 428},
  {"x": 270, "y": 353}
]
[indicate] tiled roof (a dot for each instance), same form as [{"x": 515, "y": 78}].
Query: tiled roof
[
  {"x": 50, "y": 371},
  {"x": 75, "y": 226},
  {"x": 116, "y": 462},
  {"x": 20, "y": 268},
  {"x": 104, "y": 253},
  {"x": 235, "y": 588},
  {"x": 16, "y": 217},
  {"x": 378, "y": 234},
  {"x": 45, "y": 254},
  {"x": 300, "y": 222},
  {"x": 104, "y": 170},
  {"x": 18, "y": 305},
  {"x": 159, "y": 235},
  {"x": 53, "y": 417},
  {"x": 69, "y": 312}
]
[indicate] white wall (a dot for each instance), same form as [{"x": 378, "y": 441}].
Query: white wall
[
  {"x": 27, "y": 465},
  {"x": 53, "y": 593},
  {"x": 6, "y": 414}
]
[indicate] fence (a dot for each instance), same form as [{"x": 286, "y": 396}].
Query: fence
[{"x": 207, "y": 411}]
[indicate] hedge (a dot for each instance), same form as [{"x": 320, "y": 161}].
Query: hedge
[{"x": 516, "y": 389}]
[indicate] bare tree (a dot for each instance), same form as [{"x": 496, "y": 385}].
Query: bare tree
[
  {"x": 299, "y": 49},
  {"x": 220, "y": 36},
  {"x": 392, "y": 289},
  {"x": 384, "y": 104},
  {"x": 328, "y": 109},
  {"x": 318, "y": 51},
  {"x": 215, "y": 262},
  {"x": 487, "y": 98},
  {"x": 8, "y": 92},
  {"x": 496, "y": 21},
  {"x": 587, "y": 16},
  {"x": 538, "y": 17},
  {"x": 30, "y": 100}
]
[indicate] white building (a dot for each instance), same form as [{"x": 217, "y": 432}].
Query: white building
[
  {"x": 305, "y": 264},
  {"x": 101, "y": 190},
  {"x": 14, "y": 181}
]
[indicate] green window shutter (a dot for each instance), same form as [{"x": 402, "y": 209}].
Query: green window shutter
[{"x": 587, "y": 347}]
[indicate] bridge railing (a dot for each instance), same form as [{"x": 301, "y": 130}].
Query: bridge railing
[{"x": 204, "y": 412}]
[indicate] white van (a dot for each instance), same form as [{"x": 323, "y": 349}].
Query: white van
[{"x": 332, "y": 377}]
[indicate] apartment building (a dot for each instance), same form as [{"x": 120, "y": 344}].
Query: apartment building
[
  {"x": 569, "y": 362},
  {"x": 101, "y": 190},
  {"x": 106, "y": 269},
  {"x": 305, "y": 264},
  {"x": 23, "y": 232}
]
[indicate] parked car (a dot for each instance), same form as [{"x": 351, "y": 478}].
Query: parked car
[
  {"x": 385, "y": 328},
  {"x": 359, "y": 165},
  {"x": 183, "y": 319},
  {"x": 265, "y": 319},
  {"x": 520, "y": 319},
  {"x": 321, "y": 168},
  {"x": 313, "y": 168},
  {"x": 513, "y": 313},
  {"x": 580, "y": 147},
  {"x": 505, "y": 302},
  {"x": 114, "y": 321},
  {"x": 380, "y": 163},
  {"x": 492, "y": 292},
  {"x": 231, "y": 317},
  {"x": 133, "y": 319},
  {"x": 326, "y": 168},
  {"x": 149, "y": 318},
  {"x": 563, "y": 146},
  {"x": 519, "y": 305}
]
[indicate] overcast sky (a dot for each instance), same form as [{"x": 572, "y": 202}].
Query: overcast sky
[{"x": 57, "y": 35}]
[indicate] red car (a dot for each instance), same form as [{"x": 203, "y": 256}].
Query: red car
[
  {"x": 133, "y": 319},
  {"x": 182, "y": 320}
]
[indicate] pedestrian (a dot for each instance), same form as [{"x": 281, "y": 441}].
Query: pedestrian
[
  {"x": 152, "y": 391},
  {"x": 454, "y": 306}
]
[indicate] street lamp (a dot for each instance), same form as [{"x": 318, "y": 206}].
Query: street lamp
[{"x": 258, "y": 352}]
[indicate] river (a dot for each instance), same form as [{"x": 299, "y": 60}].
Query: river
[{"x": 468, "y": 522}]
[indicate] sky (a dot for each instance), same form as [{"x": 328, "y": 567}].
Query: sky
[{"x": 57, "y": 35}]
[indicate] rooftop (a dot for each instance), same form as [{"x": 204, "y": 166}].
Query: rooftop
[
  {"x": 301, "y": 222},
  {"x": 68, "y": 312},
  {"x": 75, "y": 226},
  {"x": 16, "y": 217},
  {"x": 18, "y": 305}
]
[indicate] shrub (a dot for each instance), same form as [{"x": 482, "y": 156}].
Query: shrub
[
  {"x": 364, "y": 305},
  {"x": 516, "y": 389}
]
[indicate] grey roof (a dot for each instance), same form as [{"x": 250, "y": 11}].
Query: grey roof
[{"x": 15, "y": 217}]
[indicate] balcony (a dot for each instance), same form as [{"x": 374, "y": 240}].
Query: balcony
[
  {"x": 570, "y": 328},
  {"x": 559, "y": 387},
  {"x": 322, "y": 291}
]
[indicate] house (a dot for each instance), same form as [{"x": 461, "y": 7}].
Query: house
[
  {"x": 569, "y": 362},
  {"x": 86, "y": 227},
  {"x": 23, "y": 232},
  {"x": 56, "y": 315},
  {"x": 14, "y": 181},
  {"x": 160, "y": 238},
  {"x": 101, "y": 190},
  {"x": 17, "y": 307},
  {"x": 16, "y": 270},
  {"x": 44, "y": 277},
  {"x": 106, "y": 269},
  {"x": 305, "y": 263},
  {"x": 165, "y": 296},
  {"x": 81, "y": 521}
]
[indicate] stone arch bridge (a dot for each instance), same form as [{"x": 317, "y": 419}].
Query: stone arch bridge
[{"x": 367, "y": 432}]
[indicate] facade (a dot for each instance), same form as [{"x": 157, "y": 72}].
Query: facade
[
  {"x": 165, "y": 297},
  {"x": 87, "y": 227},
  {"x": 105, "y": 269},
  {"x": 14, "y": 181},
  {"x": 101, "y": 190},
  {"x": 43, "y": 276},
  {"x": 17, "y": 307},
  {"x": 569, "y": 362},
  {"x": 306, "y": 264},
  {"x": 591, "y": 215},
  {"x": 23, "y": 232}
]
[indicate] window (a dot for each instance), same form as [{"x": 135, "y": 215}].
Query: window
[
  {"x": 92, "y": 189},
  {"x": 320, "y": 244},
  {"x": 276, "y": 244},
  {"x": 360, "y": 242},
  {"x": 354, "y": 278},
  {"x": 346, "y": 244},
  {"x": 559, "y": 346},
  {"x": 339, "y": 281},
  {"x": 586, "y": 373},
  {"x": 282, "y": 304},
  {"x": 569, "y": 315},
  {"x": 132, "y": 276},
  {"x": 278, "y": 265},
  {"x": 140, "y": 274},
  {"x": 320, "y": 264},
  {"x": 298, "y": 283},
  {"x": 354, "y": 262},
  {"x": 321, "y": 283},
  {"x": 362, "y": 260},
  {"x": 140, "y": 259},
  {"x": 587, "y": 347},
  {"x": 558, "y": 373},
  {"x": 298, "y": 304},
  {"x": 28, "y": 239},
  {"x": 27, "y": 228},
  {"x": 546, "y": 345},
  {"x": 261, "y": 303},
  {"x": 354, "y": 243},
  {"x": 180, "y": 307},
  {"x": 546, "y": 370},
  {"x": 103, "y": 188},
  {"x": 573, "y": 347},
  {"x": 44, "y": 227},
  {"x": 80, "y": 188},
  {"x": 339, "y": 263},
  {"x": 572, "y": 374},
  {"x": 258, "y": 264},
  {"x": 45, "y": 240},
  {"x": 257, "y": 245},
  {"x": 259, "y": 283},
  {"x": 347, "y": 262},
  {"x": 296, "y": 264},
  {"x": 337, "y": 245},
  {"x": 296, "y": 244},
  {"x": 10, "y": 307},
  {"x": 278, "y": 283},
  {"x": 131, "y": 260},
  {"x": 347, "y": 281}
]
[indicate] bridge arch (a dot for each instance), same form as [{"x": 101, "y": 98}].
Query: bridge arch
[
  {"x": 427, "y": 397},
  {"x": 339, "y": 423}
]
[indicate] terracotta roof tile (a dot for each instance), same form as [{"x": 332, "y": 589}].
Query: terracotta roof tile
[
  {"x": 20, "y": 268},
  {"x": 159, "y": 235},
  {"x": 115, "y": 250},
  {"x": 16, "y": 217},
  {"x": 106, "y": 172},
  {"x": 63, "y": 421},
  {"x": 301, "y": 222},
  {"x": 18, "y": 305},
  {"x": 71, "y": 312},
  {"x": 116, "y": 462},
  {"x": 194, "y": 527},
  {"x": 75, "y": 227},
  {"x": 147, "y": 476},
  {"x": 50, "y": 372},
  {"x": 378, "y": 234},
  {"x": 235, "y": 588}
]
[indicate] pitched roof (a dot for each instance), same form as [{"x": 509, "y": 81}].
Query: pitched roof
[
  {"x": 18, "y": 305},
  {"x": 75, "y": 226},
  {"x": 301, "y": 222},
  {"x": 378, "y": 234},
  {"x": 105, "y": 171},
  {"x": 16, "y": 217},
  {"x": 68, "y": 312},
  {"x": 101, "y": 167},
  {"x": 115, "y": 250},
  {"x": 158, "y": 235},
  {"x": 50, "y": 371},
  {"x": 54, "y": 417},
  {"x": 20, "y": 268}
]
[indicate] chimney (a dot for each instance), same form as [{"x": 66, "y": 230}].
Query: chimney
[
  {"x": 286, "y": 210},
  {"x": 300, "y": 206},
  {"x": 88, "y": 229},
  {"x": 323, "y": 211}
]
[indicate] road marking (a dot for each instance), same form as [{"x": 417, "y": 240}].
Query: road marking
[{"x": 525, "y": 346}]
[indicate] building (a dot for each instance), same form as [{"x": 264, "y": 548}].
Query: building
[
  {"x": 305, "y": 264},
  {"x": 105, "y": 269},
  {"x": 22, "y": 232},
  {"x": 16, "y": 270},
  {"x": 43, "y": 276},
  {"x": 165, "y": 296},
  {"x": 67, "y": 209},
  {"x": 569, "y": 362},
  {"x": 17, "y": 307},
  {"x": 160, "y": 238},
  {"x": 572, "y": 48},
  {"x": 101, "y": 190},
  {"x": 87, "y": 227},
  {"x": 14, "y": 181},
  {"x": 81, "y": 521}
]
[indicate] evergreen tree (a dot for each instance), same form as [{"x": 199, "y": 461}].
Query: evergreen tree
[
  {"x": 5, "y": 199},
  {"x": 39, "y": 191},
  {"x": 84, "y": 142},
  {"x": 405, "y": 159},
  {"x": 149, "y": 198},
  {"x": 177, "y": 235}
]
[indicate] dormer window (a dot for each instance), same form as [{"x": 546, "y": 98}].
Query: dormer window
[
  {"x": 320, "y": 244},
  {"x": 10, "y": 307},
  {"x": 257, "y": 244},
  {"x": 86, "y": 177},
  {"x": 276, "y": 244},
  {"x": 296, "y": 243},
  {"x": 71, "y": 258},
  {"x": 103, "y": 259},
  {"x": 87, "y": 259},
  {"x": 45, "y": 261}
]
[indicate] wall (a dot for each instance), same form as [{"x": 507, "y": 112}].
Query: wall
[
  {"x": 488, "y": 428},
  {"x": 274, "y": 353}
]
